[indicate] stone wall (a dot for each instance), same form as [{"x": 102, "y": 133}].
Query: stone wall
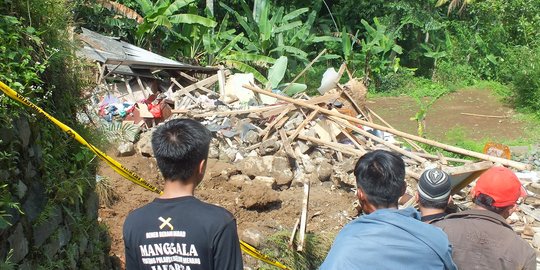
[{"x": 51, "y": 232}]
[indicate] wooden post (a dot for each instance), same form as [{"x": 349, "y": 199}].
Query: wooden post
[
  {"x": 506, "y": 162},
  {"x": 303, "y": 218}
]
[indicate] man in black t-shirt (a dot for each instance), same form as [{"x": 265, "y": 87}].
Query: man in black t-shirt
[{"x": 177, "y": 231}]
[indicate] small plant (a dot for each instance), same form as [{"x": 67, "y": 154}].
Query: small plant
[
  {"x": 315, "y": 250},
  {"x": 105, "y": 191},
  {"x": 6, "y": 204},
  {"x": 7, "y": 264},
  {"x": 118, "y": 131},
  {"x": 420, "y": 116}
]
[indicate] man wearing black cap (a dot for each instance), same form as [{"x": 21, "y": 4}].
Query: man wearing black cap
[{"x": 433, "y": 195}]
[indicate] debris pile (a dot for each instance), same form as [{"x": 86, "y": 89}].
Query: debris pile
[{"x": 276, "y": 141}]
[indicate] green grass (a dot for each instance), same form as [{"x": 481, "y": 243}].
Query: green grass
[{"x": 315, "y": 250}]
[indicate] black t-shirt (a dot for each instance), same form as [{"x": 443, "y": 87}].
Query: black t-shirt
[{"x": 180, "y": 234}]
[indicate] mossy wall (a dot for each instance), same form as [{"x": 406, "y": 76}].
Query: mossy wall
[{"x": 48, "y": 207}]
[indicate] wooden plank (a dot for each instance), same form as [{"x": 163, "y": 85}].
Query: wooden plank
[
  {"x": 236, "y": 112},
  {"x": 293, "y": 234},
  {"x": 303, "y": 124},
  {"x": 315, "y": 100},
  {"x": 128, "y": 87},
  {"x": 506, "y": 162},
  {"x": 197, "y": 85},
  {"x": 346, "y": 149},
  {"x": 462, "y": 176},
  {"x": 303, "y": 217},
  {"x": 141, "y": 85},
  {"x": 379, "y": 140},
  {"x": 221, "y": 82},
  {"x": 412, "y": 143},
  {"x": 187, "y": 76},
  {"x": 286, "y": 144},
  {"x": 265, "y": 132}
]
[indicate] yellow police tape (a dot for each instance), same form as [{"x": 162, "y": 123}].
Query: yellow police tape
[{"x": 123, "y": 171}]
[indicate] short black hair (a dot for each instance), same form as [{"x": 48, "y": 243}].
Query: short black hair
[
  {"x": 381, "y": 175},
  {"x": 179, "y": 146},
  {"x": 441, "y": 204},
  {"x": 486, "y": 201}
]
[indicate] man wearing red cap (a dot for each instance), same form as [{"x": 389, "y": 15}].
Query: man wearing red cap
[{"x": 480, "y": 237}]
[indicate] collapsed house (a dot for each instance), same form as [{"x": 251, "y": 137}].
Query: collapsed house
[{"x": 300, "y": 139}]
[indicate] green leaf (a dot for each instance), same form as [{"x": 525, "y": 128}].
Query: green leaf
[
  {"x": 240, "y": 19},
  {"x": 176, "y": 5},
  {"x": 192, "y": 19},
  {"x": 288, "y": 26},
  {"x": 294, "y": 88},
  {"x": 145, "y": 5},
  {"x": 257, "y": 59},
  {"x": 326, "y": 39},
  {"x": 277, "y": 72},
  {"x": 346, "y": 44},
  {"x": 293, "y": 14},
  {"x": 246, "y": 69}
]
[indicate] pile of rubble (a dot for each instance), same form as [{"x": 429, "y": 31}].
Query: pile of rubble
[{"x": 278, "y": 142}]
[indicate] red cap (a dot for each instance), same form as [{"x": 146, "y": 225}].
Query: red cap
[{"x": 501, "y": 184}]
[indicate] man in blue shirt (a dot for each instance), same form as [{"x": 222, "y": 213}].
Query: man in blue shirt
[{"x": 387, "y": 238}]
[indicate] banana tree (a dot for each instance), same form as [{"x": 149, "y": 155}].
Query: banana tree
[
  {"x": 271, "y": 32},
  {"x": 222, "y": 46},
  {"x": 162, "y": 20}
]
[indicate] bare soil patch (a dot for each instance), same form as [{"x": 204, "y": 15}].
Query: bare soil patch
[
  {"x": 445, "y": 115},
  {"x": 330, "y": 209}
]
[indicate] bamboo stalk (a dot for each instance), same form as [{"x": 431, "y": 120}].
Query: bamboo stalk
[{"x": 506, "y": 162}]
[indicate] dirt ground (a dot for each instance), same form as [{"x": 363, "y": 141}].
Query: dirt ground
[
  {"x": 329, "y": 208},
  {"x": 445, "y": 115}
]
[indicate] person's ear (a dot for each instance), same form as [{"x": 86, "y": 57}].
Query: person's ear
[
  {"x": 201, "y": 169},
  {"x": 450, "y": 200},
  {"x": 416, "y": 197},
  {"x": 403, "y": 189},
  {"x": 360, "y": 194}
]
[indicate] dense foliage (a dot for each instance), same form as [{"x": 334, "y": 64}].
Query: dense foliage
[
  {"x": 37, "y": 60},
  {"x": 388, "y": 43}
]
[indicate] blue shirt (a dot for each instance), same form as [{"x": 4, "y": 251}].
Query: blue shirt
[{"x": 390, "y": 239}]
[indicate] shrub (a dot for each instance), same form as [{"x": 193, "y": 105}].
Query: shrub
[{"x": 521, "y": 69}]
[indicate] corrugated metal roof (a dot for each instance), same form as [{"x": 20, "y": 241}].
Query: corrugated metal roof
[{"x": 109, "y": 50}]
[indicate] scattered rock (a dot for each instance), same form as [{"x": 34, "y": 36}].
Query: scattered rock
[
  {"x": 23, "y": 128},
  {"x": 252, "y": 236},
  {"x": 276, "y": 167},
  {"x": 18, "y": 243},
  {"x": 45, "y": 229},
  {"x": 21, "y": 189},
  {"x": 324, "y": 171},
  {"x": 126, "y": 149},
  {"x": 239, "y": 180},
  {"x": 265, "y": 180},
  {"x": 145, "y": 144}
]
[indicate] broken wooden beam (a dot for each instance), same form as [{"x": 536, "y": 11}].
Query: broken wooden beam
[
  {"x": 303, "y": 217},
  {"x": 506, "y": 162}
]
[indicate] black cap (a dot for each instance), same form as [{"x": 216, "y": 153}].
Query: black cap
[{"x": 434, "y": 185}]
